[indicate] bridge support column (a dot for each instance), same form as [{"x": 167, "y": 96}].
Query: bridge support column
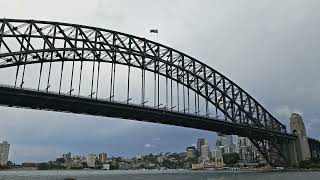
[
  {"x": 301, "y": 144},
  {"x": 293, "y": 153}
]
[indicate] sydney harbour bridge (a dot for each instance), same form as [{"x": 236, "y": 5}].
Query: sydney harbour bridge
[{"x": 88, "y": 70}]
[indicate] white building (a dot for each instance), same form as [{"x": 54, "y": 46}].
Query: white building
[
  {"x": 4, "y": 152},
  {"x": 191, "y": 152},
  {"x": 106, "y": 166},
  {"x": 102, "y": 157},
  {"x": 216, "y": 155},
  {"x": 91, "y": 160}
]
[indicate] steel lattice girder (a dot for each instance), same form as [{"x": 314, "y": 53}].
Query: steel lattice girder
[
  {"x": 83, "y": 43},
  {"x": 274, "y": 149}
]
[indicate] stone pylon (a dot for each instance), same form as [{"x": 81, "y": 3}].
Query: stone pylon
[{"x": 302, "y": 145}]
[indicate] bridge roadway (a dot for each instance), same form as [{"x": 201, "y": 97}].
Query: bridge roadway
[{"x": 42, "y": 100}]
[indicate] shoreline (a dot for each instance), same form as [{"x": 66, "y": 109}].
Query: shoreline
[{"x": 167, "y": 170}]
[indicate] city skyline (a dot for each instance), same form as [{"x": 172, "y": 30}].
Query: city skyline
[
  {"x": 201, "y": 151},
  {"x": 192, "y": 158},
  {"x": 197, "y": 156},
  {"x": 226, "y": 45}
]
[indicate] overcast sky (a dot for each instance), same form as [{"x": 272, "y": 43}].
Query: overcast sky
[{"x": 270, "y": 48}]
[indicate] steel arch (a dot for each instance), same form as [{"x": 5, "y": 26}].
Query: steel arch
[
  {"x": 84, "y": 43},
  {"x": 25, "y": 42}
]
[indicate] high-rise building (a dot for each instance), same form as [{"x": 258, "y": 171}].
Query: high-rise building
[
  {"x": 225, "y": 143},
  {"x": 4, "y": 152},
  {"x": 191, "y": 152},
  {"x": 200, "y": 143},
  {"x": 102, "y": 157},
  {"x": 204, "y": 156},
  {"x": 91, "y": 160}
]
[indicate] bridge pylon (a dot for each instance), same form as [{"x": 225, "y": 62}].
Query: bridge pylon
[{"x": 300, "y": 146}]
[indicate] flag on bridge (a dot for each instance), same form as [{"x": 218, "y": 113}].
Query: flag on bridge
[{"x": 154, "y": 31}]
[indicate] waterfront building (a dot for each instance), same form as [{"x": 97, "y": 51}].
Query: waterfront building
[
  {"x": 91, "y": 160},
  {"x": 197, "y": 166},
  {"x": 216, "y": 155},
  {"x": 102, "y": 157},
  {"x": 4, "y": 152},
  {"x": 106, "y": 166}
]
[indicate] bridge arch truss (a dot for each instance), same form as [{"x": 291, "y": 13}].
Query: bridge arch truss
[{"x": 24, "y": 42}]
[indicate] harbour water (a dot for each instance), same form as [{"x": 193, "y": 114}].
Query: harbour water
[{"x": 158, "y": 175}]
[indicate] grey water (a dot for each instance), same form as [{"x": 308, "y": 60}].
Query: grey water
[{"x": 159, "y": 175}]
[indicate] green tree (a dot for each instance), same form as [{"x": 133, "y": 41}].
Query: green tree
[
  {"x": 84, "y": 165},
  {"x": 4, "y": 166},
  {"x": 231, "y": 158},
  {"x": 60, "y": 160},
  {"x": 43, "y": 166},
  {"x": 9, "y": 163},
  {"x": 315, "y": 160},
  {"x": 312, "y": 163},
  {"x": 168, "y": 164},
  {"x": 98, "y": 164},
  {"x": 114, "y": 165}
]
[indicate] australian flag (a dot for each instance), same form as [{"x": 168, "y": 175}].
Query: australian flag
[{"x": 154, "y": 31}]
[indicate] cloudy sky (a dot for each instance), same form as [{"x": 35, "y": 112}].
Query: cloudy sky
[{"x": 270, "y": 48}]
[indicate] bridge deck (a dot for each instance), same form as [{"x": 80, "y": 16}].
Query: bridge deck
[{"x": 16, "y": 97}]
